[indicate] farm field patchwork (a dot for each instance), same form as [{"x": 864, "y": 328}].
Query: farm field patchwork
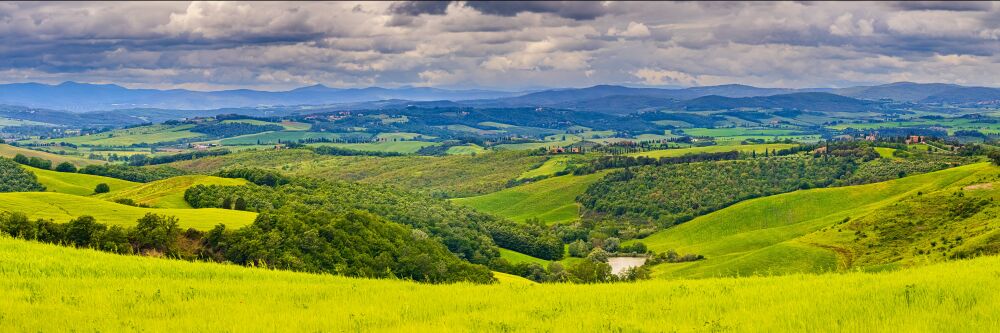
[
  {"x": 76, "y": 183},
  {"x": 9, "y": 151},
  {"x": 758, "y": 148},
  {"x": 168, "y": 193},
  {"x": 137, "y": 135}
]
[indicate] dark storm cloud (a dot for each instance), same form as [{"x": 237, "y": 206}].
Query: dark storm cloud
[
  {"x": 586, "y": 10},
  {"x": 958, "y": 6},
  {"x": 415, "y": 8}
]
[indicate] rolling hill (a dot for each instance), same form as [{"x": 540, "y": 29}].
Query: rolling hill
[
  {"x": 62, "y": 207},
  {"x": 771, "y": 235},
  {"x": 168, "y": 193},
  {"x": 141, "y": 293},
  {"x": 11, "y": 151},
  {"x": 76, "y": 183},
  {"x": 551, "y": 200}
]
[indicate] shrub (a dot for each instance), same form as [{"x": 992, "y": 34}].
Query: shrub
[
  {"x": 66, "y": 167},
  {"x": 102, "y": 188}
]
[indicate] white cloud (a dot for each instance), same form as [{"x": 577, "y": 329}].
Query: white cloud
[{"x": 634, "y": 30}]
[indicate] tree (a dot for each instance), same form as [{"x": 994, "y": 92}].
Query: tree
[
  {"x": 66, "y": 167},
  {"x": 21, "y": 159},
  {"x": 578, "y": 249},
  {"x": 240, "y": 204},
  {"x": 611, "y": 244},
  {"x": 598, "y": 255},
  {"x": 227, "y": 203},
  {"x": 83, "y": 231},
  {"x": 155, "y": 232},
  {"x": 102, "y": 188},
  {"x": 995, "y": 156}
]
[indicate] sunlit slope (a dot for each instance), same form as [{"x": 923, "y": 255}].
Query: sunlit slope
[
  {"x": 169, "y": 193},
  {"x": 760, "y": 236},
  {"x": 76, "y": 183},
  {"x": 758, "y": 148},
  {"x": 550, "y": 200},
  {"x": 64, "y": 289},
  {"x": 64, "y": 207}
]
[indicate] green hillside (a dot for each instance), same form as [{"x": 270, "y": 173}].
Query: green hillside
[
  {"x": 551, "y": 200},
  {"x": 135, "y": 293},
  {"x": 11, "y": 151},
  {"x": 168, "y": 193},
  {"x": 64, "y": 207},
  {"x": 402, "y": 147},
  {"x": 765, "y": 235},
  {"x": 76, "y": 183},
  {"x": 137, "y": 135}
]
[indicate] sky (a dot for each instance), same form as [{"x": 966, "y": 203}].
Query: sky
[{"x": 499, "y": 45}]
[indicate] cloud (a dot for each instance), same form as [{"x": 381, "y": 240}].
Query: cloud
[
  {"x": 507, "y": 45},
  {"x": 958, "y": 6}
]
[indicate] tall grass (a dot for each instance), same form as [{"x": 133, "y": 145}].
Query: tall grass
[{"x": 64, "y": 289}]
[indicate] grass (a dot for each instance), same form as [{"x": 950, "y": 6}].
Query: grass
[
  {"x": 137, "y": 135},
  {"x": 400, "y": 136},
  {"x": 62, "y": 207},
  {"x": 403, "y": 147},
  {"x": 287, "y": 125},
  {"x": 885, "y": 152},
  {"x": 468, "y": 149},
  {"x": 64, "y": 289},
  {"x": 759, "y": 148},
  {"x": 515, "y": 257},
  {"x": 551, "y": 200},
  {"x": 537, "y": 145},
  {"x": 765, "y": 235},
  {"x": 738, "y": 131},
  {"x": 275, "y": 137},
  {"x": 76, "y": 183},
  {"x": 168, "y": 193},
  {"x": 11, "y": 151},
  {"x": 550, "y": 167}
]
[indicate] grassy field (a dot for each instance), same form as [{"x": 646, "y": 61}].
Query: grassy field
[
  {"x": 468, "y": 149},
  {"x": 64, "y": 289},
  {"x": 168, "y": 193},
  {"x": 64, "y": 207},
  {"x": 11, "y": 151},
  {"x": 759, "y": 148},
  {"x": 124, "y": 137},
  {"x": 951, "y": 124},
  {"x": 551, "y": 200},
  {"x": 737, "y": 131},
  {"x": 765, "y": 235},
  {"x": 288, "y": 125},
  {"x": 400, "y": 136},
  {"x": 275, "y": 137},
  {"x": 515, "y": 257},
  {"x": 403, "y": 147},
  {"x": 885, "y": 152},
  {"x": 550, "y": 167},
  {"x": 76, "y": 183}
]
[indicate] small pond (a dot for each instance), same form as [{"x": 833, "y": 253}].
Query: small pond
[{"x": 620, "y": 264}]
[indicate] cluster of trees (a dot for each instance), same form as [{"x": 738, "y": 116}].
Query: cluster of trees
[
  {"x": 141, "y": 159},
  {"x": 37, "y": 162},
  {"x": 469, "y": 234},
  {"x": 13, "y": 178},
  {"x": 153, "y": 234},
  {"x": 132, "y": 173},
  {"x": 337, "y": 151},
  {"x": 610, "y": 245},
  {"x": 674, "y": 194},
  {"x": 234, "y": 129}
]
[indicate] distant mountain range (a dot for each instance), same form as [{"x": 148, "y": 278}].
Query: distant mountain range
[{"x": 82, "y": 97}]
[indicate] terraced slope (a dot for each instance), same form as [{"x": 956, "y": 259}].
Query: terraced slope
[
  {"x": 766, "y": 235},
  {"x": 76, "y": 183},
  {"x": 64, "y": 289},
  {"x": 551, "y": 200},
  {"x": 168, "y": 193},
  {"x": 62, "y": 207}
]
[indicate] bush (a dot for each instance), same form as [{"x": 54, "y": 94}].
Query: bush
[
  {"x": 66, "y": 167},
  {"x": 102, "y": 188},
  {"x": 578, "y": 249},
  {"x": 155, "y": 232}
]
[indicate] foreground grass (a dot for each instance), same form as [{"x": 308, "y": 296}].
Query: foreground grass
[
  {"x": 64, "y": 289},
  {"x": 64, "y": 207}
]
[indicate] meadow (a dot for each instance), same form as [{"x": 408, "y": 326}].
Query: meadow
[
  {"x": 93, "y": 291},
  {"x": 402, "y": 147},
  {"x": 76, "y": 183},
  {"x": 276, "y": 137},
  {"x": 62, "y": 207},
  {"x": 167, "y": 193},
  {"x": 9, "y": 151},
  {"x": 551, "y": 200},
  {"x": 151, "y": 134}
]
